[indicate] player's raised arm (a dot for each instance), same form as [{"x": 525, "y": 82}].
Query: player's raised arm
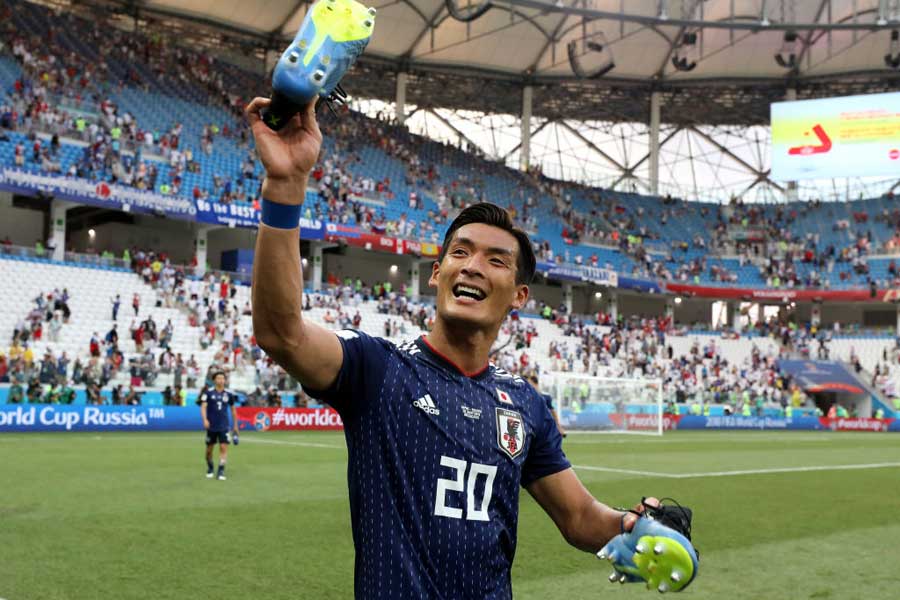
[{"x": 310, "y": 353}]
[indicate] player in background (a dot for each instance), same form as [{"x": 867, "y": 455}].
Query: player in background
[
  {"x": 439, "y": 441},
  {"x": 548, "y": 399},
  {"x": 215, "y": 405}
]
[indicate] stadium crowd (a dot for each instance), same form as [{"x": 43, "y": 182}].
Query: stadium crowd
[{"x": 59, "y": 86}]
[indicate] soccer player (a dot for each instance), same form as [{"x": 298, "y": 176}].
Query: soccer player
[
  {"x": 439, "y": 440},
  {"x": 215, "y": 404}
]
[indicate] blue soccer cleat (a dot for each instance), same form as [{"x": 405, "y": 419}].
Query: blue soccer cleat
[
  {"x": 333, "y": 35},
  {"x": 653, "y": 553}
]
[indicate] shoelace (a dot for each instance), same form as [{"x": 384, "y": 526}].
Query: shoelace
[{"x": 337, "y": 96}]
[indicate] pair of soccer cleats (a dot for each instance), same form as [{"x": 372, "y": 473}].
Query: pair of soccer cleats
[
  {"x": 333, "y": 35},
  {"x": 211, "y": 475},
  {"x": 654, "y": 552}
]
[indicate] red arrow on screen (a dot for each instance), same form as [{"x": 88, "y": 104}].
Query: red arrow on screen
[{"x": 824, "y": 143}]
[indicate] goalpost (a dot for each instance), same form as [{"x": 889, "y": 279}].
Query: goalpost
[{"x": 607, "y": 404}]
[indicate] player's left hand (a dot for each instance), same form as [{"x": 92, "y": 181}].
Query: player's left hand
[{"x": 655, "y": 547}]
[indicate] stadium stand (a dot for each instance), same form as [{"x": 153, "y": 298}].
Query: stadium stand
[
  {"x": 85, "y": 100},
  {"x": 700, "y": 368},
  {"x": 161, "y": 118}
]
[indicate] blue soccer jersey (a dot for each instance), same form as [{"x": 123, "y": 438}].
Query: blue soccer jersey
[
  {"x": 218, "y": 407},
  {"x": 435, "y": 462}
]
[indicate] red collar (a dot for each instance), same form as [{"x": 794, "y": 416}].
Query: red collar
[{"x": 442, "y": 358}]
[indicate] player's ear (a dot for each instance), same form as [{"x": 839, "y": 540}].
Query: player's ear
[
  {"x": 435, "y": 271},
  {"x": 521, "y": 297}
]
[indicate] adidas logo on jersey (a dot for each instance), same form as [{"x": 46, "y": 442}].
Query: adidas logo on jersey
[
  {"x": 409, "y": 348},
  {"x": 427, "y": 404}
]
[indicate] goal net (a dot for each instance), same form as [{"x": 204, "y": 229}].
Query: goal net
[{"x": 609, "y": 404}]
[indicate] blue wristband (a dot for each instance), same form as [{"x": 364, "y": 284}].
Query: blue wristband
[{"x": 281, "y": 216}]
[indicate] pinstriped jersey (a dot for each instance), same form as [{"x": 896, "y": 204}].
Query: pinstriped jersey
[
  {"x": 218, "y": 408},
  {"x": 435, "y": 462}
]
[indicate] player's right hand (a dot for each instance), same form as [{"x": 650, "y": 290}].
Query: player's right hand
[
  {"x": 289, "y": 154},
  {"x": 205, "y": 424},
  {"x": 654, "y": 548}
]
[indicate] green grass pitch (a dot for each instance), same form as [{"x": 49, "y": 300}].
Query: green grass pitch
[{"x": 123, "y": 516}]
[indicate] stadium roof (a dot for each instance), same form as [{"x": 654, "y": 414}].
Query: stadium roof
[{"x": 482, "y": 64}]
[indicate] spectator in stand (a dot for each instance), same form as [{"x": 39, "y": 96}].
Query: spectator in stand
[
  {"x": 47, "y": 373},
  {"x": 132, "y": 398},
  {"x": 136, "y": 304},
  {"x": 55, "y": 326},
  {"x": 273, "y": 398},
  {"x": 112, "y": 337},
  {"x": 93, "y": 393},
  {"x": 192, "y": 372},
  {"x": 139, "y": 334},
  {"x": 116, "y": 302},
  {"x": 62, "y": 369}
]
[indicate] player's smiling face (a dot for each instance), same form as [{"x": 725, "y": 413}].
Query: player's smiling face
[{"x": 476, "y": 280}]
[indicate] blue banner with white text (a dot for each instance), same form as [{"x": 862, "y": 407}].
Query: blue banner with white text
[
  {"x": 245, "y": 215},
  {"x": 101, "y": 194},
  {"x": 750, "y": 423},
  {"x": 54, "y": 417},
  {"x": 572, "y": 272}
]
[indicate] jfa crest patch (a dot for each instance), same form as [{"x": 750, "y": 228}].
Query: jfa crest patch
[{"x": 510, "y": 432}]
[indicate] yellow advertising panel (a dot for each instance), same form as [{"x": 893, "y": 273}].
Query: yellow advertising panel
[{"x": 836, "y": 137}]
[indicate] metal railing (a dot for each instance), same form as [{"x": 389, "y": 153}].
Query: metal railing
[{"x": 100, "y": 260}]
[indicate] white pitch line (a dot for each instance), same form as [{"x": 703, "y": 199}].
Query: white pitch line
[
  {"x": 744, "y": 472},
  {"x": 625, "y": 471},
  {"x": 286, "y": 443},
  {"x": 792, "y": 470}
]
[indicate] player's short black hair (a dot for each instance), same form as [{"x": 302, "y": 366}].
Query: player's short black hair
[
  {"x": 217, "y": 373},
  {"x": 493, "y": 215}
]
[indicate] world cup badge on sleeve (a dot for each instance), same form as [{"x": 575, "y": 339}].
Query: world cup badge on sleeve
[{"x": 510, "y": 432}]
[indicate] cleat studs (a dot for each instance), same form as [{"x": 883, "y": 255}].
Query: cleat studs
[
  {"x": 326, "y": 60},
  {"x": 613, "y": 555},
  {"x": 623, "y": 578},
  {"x": 663, "y": 588},
  {"x": 372, "y": 11},
  {"x": 293, "y": 57},
  {"x": 640, "y": 548},
  {"x": 368, "y": 23},
  {"x": 658, "y": 549},
  {"x": 318, "y": 76},
  {"x": 613, "y": 577},
  {"x": 602, "y": 555},
  {"x": 676, "y": 576}
]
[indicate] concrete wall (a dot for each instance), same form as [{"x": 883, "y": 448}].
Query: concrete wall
[
  {"x": 174, "y": 236},
  {"x": 692, "y": 311},
  {"x": 23, "y": 227},
  {"x": 171, "y": 235},
  {"x": 633, "y": 304},
  {"x": 372, "y": 267},
  {"x": 222, "y": 239}
]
